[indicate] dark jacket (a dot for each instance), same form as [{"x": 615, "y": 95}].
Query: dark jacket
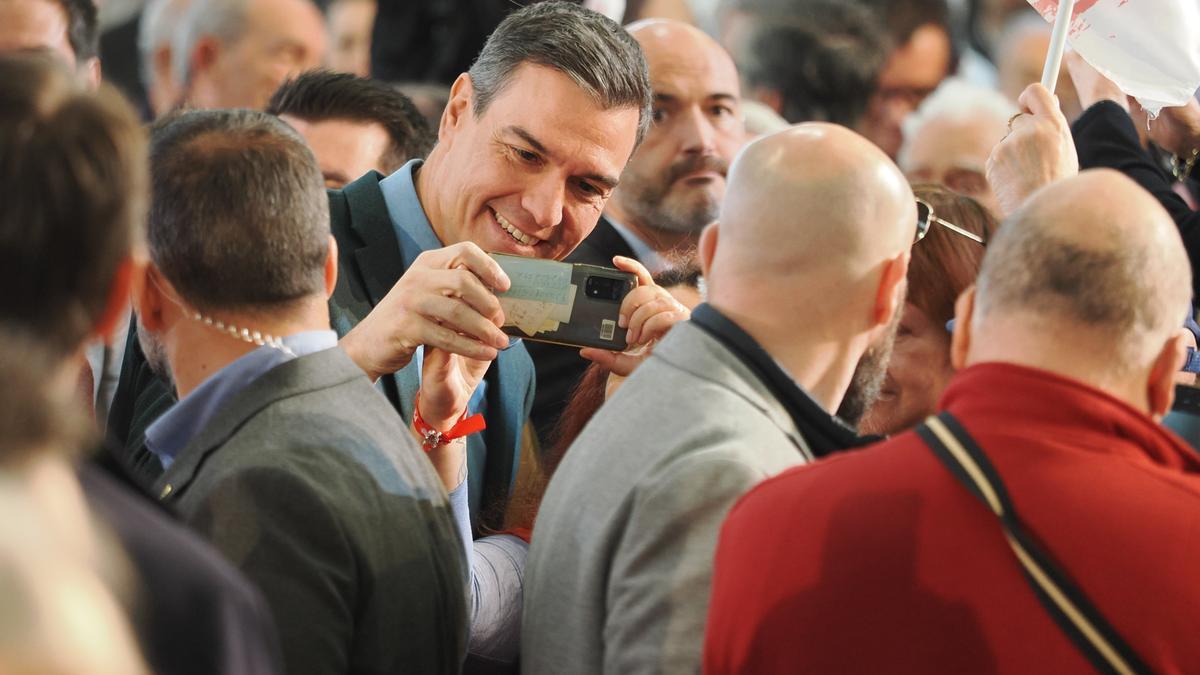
[
  {"x": 370, "y": 262},
  {"x": 193, "y": 613},
  {"x": 559, "y": 368},
  {"x": 1106, "y": 138},
  {"x": 312, "y": 486}
]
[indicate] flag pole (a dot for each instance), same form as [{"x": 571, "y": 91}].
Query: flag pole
[{"x": 1058, "y": 43}]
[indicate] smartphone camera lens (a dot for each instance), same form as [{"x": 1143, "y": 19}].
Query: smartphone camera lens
[{"x": 604, "y": 288}]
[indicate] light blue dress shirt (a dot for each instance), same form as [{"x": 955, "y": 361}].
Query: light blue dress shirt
[{"x": 171, "y": 433}]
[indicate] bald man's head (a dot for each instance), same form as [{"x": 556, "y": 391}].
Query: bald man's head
[
  {"x": 674, "y": 183},
  {"x": 814, "y": 203},
  {"x": 1090, "y": 259},
  {"x": 813, "y": 244}
]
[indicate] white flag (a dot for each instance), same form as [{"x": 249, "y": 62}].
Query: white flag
[{"x": 1149, "y": 48}]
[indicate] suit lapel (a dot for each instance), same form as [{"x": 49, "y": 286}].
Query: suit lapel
[{"x": 379, "y": 257}]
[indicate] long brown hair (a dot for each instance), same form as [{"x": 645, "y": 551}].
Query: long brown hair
[{"x": 945, "y": 263}]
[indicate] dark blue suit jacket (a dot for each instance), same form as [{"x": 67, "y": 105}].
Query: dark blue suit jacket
[{"x": 370, "y": 261}]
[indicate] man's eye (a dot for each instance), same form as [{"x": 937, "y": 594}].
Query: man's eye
[
  {"x": 526, "y": 156},
  {"x": 658, "y": 116},
  {"x": 589, "y": 189},
  {"x": 719, "y": 110}
]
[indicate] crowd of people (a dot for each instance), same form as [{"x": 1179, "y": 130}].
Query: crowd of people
[{"x": 904, "y": 329}]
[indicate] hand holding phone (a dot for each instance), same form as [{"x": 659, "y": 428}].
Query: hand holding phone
[{"x": 562, "y": 303}]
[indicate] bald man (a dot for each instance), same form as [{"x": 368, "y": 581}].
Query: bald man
[
  {"x": 805, "y": 275},
  {"x": 882, "y": 561},
  {"x": 670, "y": 189}
]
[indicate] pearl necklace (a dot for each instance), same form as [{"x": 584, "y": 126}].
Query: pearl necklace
[{"x": 244, "y": 334}]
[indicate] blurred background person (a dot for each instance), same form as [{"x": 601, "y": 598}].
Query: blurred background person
[
  {"x": 156, "y": 33},
  {"x": 949, "y": 138},
  {"x": 236, "y": 53},
  {"x": 819, "y": 61},
  {"x": 65, "y": 28},
  {"x": 923, "y": 54},
  {"x": 1021, "y": 56},
  {"x": 352, "y": 124},
  {"x": 62, "y": 579},
  {"x": 944, "y": 264},
  {"x": 72, "y": 208},
  {"x": 350, "y": 24}
]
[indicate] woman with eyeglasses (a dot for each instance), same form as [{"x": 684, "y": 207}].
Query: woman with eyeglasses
[{"x": 945, "y": 261}]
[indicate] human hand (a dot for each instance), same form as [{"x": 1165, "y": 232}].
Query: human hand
[
  {"x": 648, "y": 312},
  {"x": 1037, "y": 151},
  {"x": 1177, "y": 130},
  {"x": 443, "y": 301},
  {"x": 447, "y": 383},
  {"x": 1090, "y": 85}
]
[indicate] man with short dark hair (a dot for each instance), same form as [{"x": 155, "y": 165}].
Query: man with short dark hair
[
  {"x": 67, "y": 28},
  {"x": 352, "y": 124},
  {"x": 72, "y": 185},
  {"x": 280, "y": 451},
  {"x": 923, "y": 54},
  {"x": 671, "y": 188},
  {"x": 913, "y": 555},
  {"x": 817, "y": 62}
]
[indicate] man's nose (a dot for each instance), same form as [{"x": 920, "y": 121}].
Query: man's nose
[
  {"x": 543, "y": 200},
  {"x": 696, "y": 132}
]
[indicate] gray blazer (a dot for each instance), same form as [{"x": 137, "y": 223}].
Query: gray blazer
[
  {"x": 311, "y": 484},
  {"x": 619, "y": 573}
]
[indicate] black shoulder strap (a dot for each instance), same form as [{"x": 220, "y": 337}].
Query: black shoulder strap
[{"x": 1072, "y": 611}]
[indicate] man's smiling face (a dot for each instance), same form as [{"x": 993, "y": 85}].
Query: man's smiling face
[{"x": 531, "y": 175}]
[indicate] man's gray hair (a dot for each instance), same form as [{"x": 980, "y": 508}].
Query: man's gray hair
[
  {"x": 159, "y": 24},
  {"x": 222, "y": 19},
  {"x": 588, "y": 47},
  {"x": 238, "y": 216},
  {"x": 957, "y": 100}
]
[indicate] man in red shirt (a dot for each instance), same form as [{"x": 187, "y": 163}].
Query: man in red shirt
[{"x": 882, "y": 561}]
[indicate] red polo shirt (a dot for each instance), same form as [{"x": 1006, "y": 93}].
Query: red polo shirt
[{"x": 880, "y": 561}]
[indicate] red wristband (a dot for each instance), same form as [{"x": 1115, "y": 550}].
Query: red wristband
[{"x": 432, "y": 438}]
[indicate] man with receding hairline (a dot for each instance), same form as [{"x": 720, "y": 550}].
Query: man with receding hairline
[
  {"x": 805, "y": 273},
  {"x": 883, "y": 561}
]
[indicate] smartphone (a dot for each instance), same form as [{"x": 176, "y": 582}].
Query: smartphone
[
  {"x": 562, "y": 303},
  {"x": 1184, "y": 418}
]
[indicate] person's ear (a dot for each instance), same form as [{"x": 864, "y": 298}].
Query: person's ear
[
  {"x": 1160, "y": 389},
  {"x": 889, "y": 296},
  {"x": 331, "y": 268},
  {"x": 960, "y": 340},
  {"x": 89, "y": 70},
  {"x": 117, "y": 302},
  {"x": 458, "y": 108},
  {"x": 149, "y": 291},
  {"x": 708, "y": 247},
  {"x": 204, "y": 55},
  {"x": 770, "y": 97}
]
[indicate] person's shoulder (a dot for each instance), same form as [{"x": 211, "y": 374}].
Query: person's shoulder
[
  {"x": 884, "y": 463},
  {"x": 165, "y": 553}
]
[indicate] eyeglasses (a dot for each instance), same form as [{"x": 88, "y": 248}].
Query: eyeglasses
[{"x": 925, "y": 218}]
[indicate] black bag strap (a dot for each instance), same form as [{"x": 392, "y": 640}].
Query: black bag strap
[{"x": 1066, "y": 603}]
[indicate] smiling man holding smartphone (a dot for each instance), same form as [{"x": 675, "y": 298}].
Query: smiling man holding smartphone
[{"x": 530, "y": 147}]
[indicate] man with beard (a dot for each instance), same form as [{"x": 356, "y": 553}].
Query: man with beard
[
  {"x": 805, "y": 273},
  {"x": 670, "y": 189}
]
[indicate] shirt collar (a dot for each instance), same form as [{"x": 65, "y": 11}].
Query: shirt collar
[
  {"x": 1061, "y": 409},
  {"x": 645, "y": 254},
  {"x": 407, "y": 214},
  {"x": 172, "y": 432},
  {"x": 823, "y": 432}
]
